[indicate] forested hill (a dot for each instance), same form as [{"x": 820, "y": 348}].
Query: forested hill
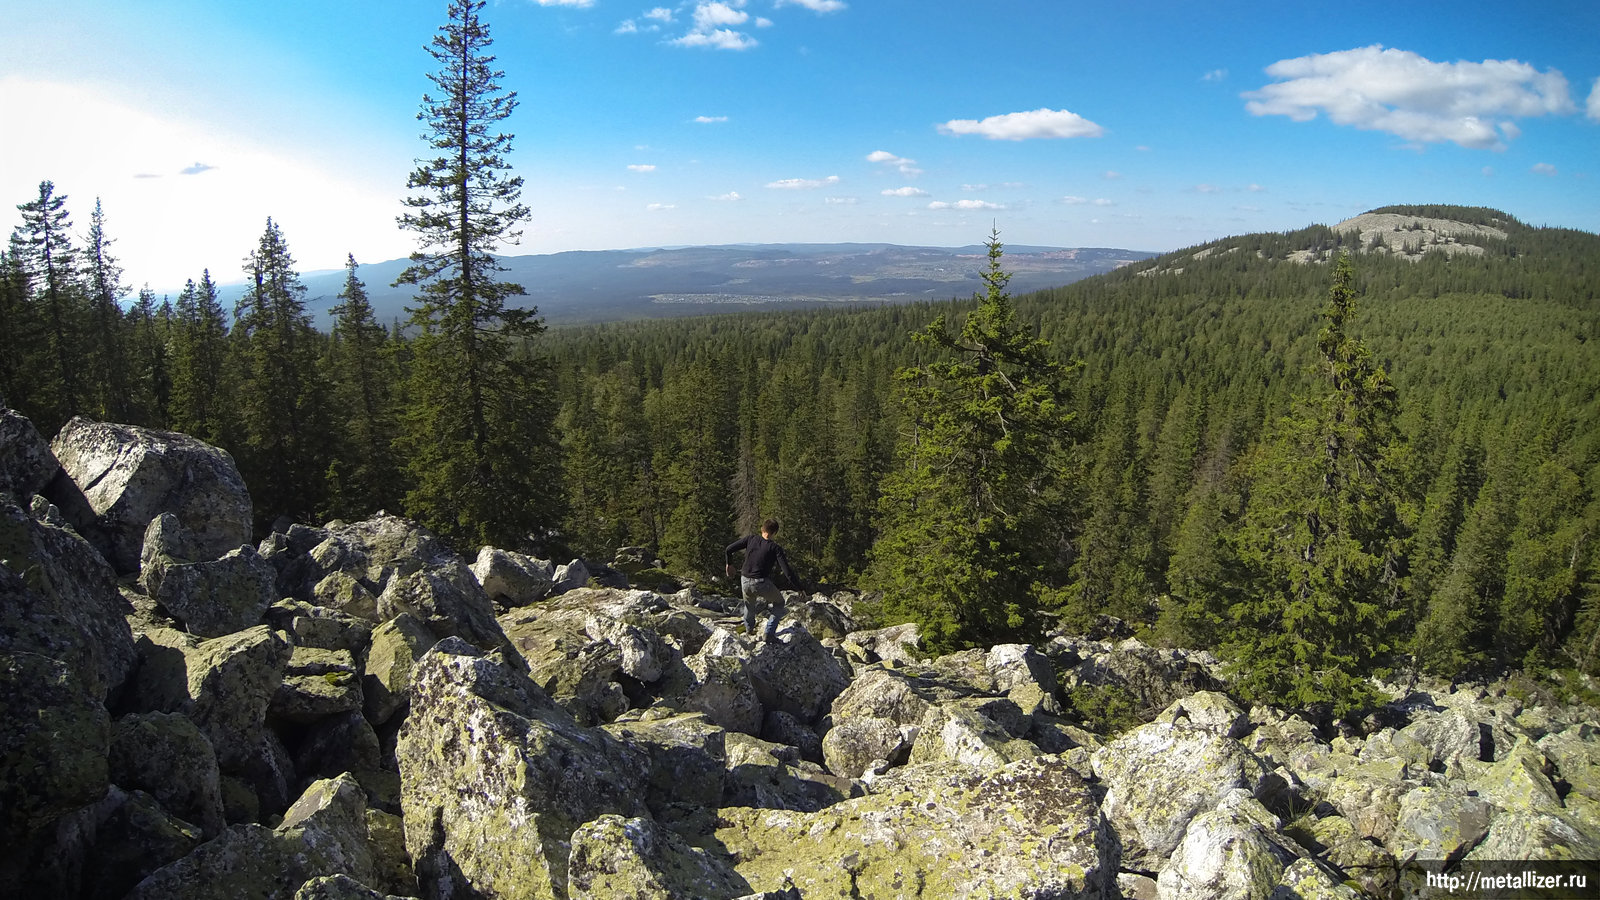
[{"x": 1487, "y": 327}]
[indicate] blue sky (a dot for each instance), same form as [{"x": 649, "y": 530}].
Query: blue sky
[{"x": 1144, "y": 125}]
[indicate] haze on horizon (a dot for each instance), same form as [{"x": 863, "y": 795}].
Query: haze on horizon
[{"x": 772, "y": 121}]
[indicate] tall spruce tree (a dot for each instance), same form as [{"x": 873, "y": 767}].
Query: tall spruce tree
[
  {"x": 965, "y": 521},
  {"x": 199, "y": 394},
  {"x": 1319, "y": 540},
  {"x": 482, "y": 455},
  {"x": 108, "y": 391},
  {"x": 286, "y": 428},
  {"x": 367, "y": 477},
  {"x": 43, "y": 245}
]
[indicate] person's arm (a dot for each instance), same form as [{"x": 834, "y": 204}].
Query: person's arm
[
  {"x": 783, "y": 563},
  {"x": 727, "y": 555}
]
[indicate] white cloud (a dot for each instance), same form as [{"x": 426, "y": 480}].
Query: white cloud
[
  {"x": 1021, "y": 126},
  {"x": 659, "y": 207},
  {"x": 1111, "y": 175},
  {"x": 1488, "y": 171},
  {"x": 1208, "y": 189},
  {"x": 626, "y": 26},
  {"x": 1256, "y": 189},
  {"x": 659, "y": 14},
  {"x": 1594, "y": 101},
  {"x": 965, "y": 204},
  {"x": 710, "y": 27},
  {"x": 905, "y": 192},
  {"x": 906, "y": 166},
  {"x": 802, "y": 184},
  {"x": 642, "y": 168},
  {"x": 763, "y": 22},
  {"x": 1101, "y": 201},
  {"x": 580, "y": 4},
  {"x": 1074, "y": 201},
  {"x": 1412, "y": 97},
  {"x": 816, "y": 6},
  {"x": 710, "y": 120},
  {"x": 731, "y": 195},
  {"x": 1215, "y": 75},
  {"x": 1543, "y": 169}
]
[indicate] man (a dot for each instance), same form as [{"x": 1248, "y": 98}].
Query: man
[{"x": 755, "y": 581}]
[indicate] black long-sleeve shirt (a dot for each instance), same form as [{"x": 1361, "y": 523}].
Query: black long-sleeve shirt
[{"x": 760, "y": 555}]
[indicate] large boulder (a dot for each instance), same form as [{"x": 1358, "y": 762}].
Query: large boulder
[
  {"x": 495, "y": 777},
  {"x": 688, "y": 760},
  {"x": 1150, "y": 677},
  {"x": 317, "y": 684},
  {"x": 723, "y": 691},
  {"x": 1160, "y": 776},
  {"x": 129, "y": 475},
  {"x": 26, "y": 463},
  {"x": 323, "y": 834},
  {"x": 1029, "y": 830},
  {"x": 386, "y": 676},
  {"x": 615, "y": 857},
  {"x": 510, "y": 578},
  {"x": 53, "y": 740},
  {"x": 1233, "y": 851},
  {"x": 59, "y": 599},
  {"x": 213, "y": 597},
  {"x": 798, "y": 675},
  {"x": 448, "y": 601},
  {"x": 165, "y": 755}
]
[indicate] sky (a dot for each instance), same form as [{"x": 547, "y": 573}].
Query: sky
[{"x": 1076, "y": 123}]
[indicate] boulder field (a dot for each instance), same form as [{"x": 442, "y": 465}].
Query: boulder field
[{"x": 355, "y": 711}]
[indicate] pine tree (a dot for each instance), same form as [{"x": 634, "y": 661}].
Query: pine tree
[
  {"x": 1319, "y": 542},
  {"x": 963, "y": 518},
  {"x": 482, "y": 455},
  {"x": 285, "y": 428},
  {"x": 150, "y": 377},
  {"x": 367, "y": 477},
  {"x": 108, "y": 389},
  {"x": 17, "y": 323}
]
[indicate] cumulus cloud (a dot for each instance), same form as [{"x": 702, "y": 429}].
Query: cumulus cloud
[
  {"x": 1022, "y": 126},
  {"x": 905, "y": 192},
  {"x": 816, "y": 6},
  {"x": 1101, "y": 201},
  {"x": 659, "y": 14},
  {"x": 709, "y": 120},
  {"x": 626, "y": 26},
  {"x": 711, "y": 27},
  {"x": 1208, "y": 189},
  {"x": 841, "y": 201},
  {"x": 731, "y": 195},
  {"x": 906, "y": 166},
  {"x": 1543, "y": 169},
  {"x": 965, "y": 204},
  {"x": 802, "y": 184},
  {"x": 659, "y": 207},
  {"x": 1215, "y": 75},
  {"x": 642, "y": 168},
  {"x": 1412, "y": 97}
]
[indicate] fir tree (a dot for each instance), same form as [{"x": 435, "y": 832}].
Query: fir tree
[
  {"x": 963, "y": 518},
  {"x": 481, "y": 452},
  {"x": 1320, "y": 536},
  {"x": 200, "y": 400}
]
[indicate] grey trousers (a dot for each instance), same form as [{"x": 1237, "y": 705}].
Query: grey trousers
[{"x": 761, "y": 595}]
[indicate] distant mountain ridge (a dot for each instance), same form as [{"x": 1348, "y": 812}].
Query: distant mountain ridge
[{"x": 605, "y": 285}]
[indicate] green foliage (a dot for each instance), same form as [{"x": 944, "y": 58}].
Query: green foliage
[
  {"x": 1106, "y": 709},
  {"x": 1319, "y": 539},
  {"x": 49, "y": 322},
  {"x": 284, "y": 445},
  {"x": 201, "y": 402},
  {"x": 367, "y": 476},
  {"x": 983, "y": 433},
  {"x": 479, "y": 450}
]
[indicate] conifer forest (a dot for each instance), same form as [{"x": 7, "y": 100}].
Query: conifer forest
[{"x": 1320, "y": 459}]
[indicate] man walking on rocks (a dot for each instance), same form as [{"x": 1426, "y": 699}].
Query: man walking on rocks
[{"x": 761, "y": 553}]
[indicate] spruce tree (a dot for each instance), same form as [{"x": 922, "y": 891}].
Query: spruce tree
[
  {"x": 108, "y": 390},
  {"x": 966, "y": 525},
  {"x": 285, "y": 429},
  {"x": 367, "y": 477},
  {"x": 481, "y": 452},
  {"x": 1319, "y": 541},
  {"x": 200, "y": 400},
  {"x": 43, "y": 245}
]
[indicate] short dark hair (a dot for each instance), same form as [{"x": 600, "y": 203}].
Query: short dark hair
[{"x": 770, "y": 526}]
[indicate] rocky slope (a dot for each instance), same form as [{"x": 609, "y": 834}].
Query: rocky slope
[{"x": 353, "y": 711}]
